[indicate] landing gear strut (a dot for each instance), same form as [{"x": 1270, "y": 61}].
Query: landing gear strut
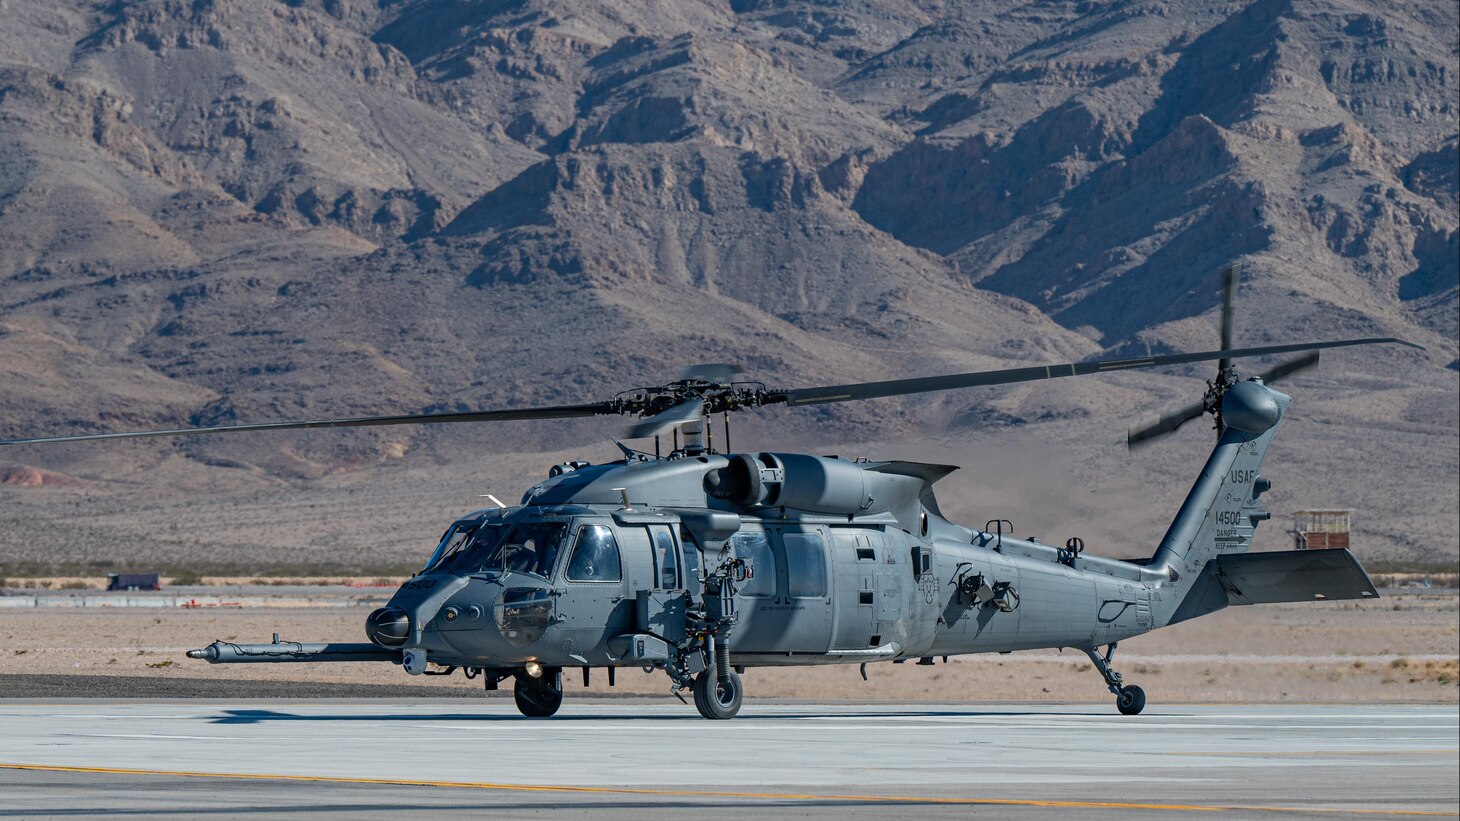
[
  {"x": 539, "y": 697},
  {"x": 717, "y": 690},
  {"x": 1129, "y": 698}
]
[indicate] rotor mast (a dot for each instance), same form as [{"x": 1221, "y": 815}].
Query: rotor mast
[{"x": 697, "y": 436}]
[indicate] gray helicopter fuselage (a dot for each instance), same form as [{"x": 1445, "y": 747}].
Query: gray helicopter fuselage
[
  {"x": 702, "y": 564},
  {"x": 864, "y": 569},
  {"x": 842, "y": 561}
]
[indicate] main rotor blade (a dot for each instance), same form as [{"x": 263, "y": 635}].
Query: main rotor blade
[
  {"x": 1168, "y": 423},
  {"x": 689, "y": 410},
  {"x": 551, "y": 412},
  {"x": 1229, "y": 295},
  {"x": 928, "y": 384},
  {"x": 721, "y": 372}
]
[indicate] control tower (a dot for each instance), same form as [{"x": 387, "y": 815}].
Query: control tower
[{"x": 1321, "y": 529}]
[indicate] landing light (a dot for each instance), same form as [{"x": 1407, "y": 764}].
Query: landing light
[{"x": 534, "y": 669}]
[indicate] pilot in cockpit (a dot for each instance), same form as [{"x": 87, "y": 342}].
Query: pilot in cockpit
[
  {"x": 530, "y": 547},
  {"x": 521, "y": 557}
]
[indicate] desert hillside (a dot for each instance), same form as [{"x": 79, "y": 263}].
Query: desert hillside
[{"x": 245, "y": 210}]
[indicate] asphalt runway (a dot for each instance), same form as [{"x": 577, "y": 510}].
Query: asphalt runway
[{"x": 630, "y": 758}]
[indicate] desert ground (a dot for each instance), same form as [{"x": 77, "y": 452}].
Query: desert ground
[{"x": 1401, "y": 648}]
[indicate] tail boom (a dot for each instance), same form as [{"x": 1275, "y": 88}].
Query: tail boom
[{"x": 1222, "y": 511}]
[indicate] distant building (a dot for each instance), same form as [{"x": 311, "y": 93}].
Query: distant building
[
  {"x": 133, "y": 581},
  {"x": 1321, "y": 529}
]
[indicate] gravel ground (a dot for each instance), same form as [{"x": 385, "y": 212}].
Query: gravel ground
[{"x": 1401, "y": 648}]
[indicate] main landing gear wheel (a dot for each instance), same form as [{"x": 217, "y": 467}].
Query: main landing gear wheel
[
  {"x": 715, "y": 700},
  {"x": 538, "y": 697},
  {"x": 1131, "y": 700}
]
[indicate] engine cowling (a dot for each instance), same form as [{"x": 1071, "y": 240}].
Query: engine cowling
[{"x": 812, "y": 483}]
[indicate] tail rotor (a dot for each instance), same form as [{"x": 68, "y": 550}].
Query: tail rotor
[{"x": 1226, "y": 377}]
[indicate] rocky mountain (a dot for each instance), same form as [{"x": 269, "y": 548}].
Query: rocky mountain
[{"x": 238, "y": 210}]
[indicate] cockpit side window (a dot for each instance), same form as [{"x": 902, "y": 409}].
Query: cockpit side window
[{"x": 596, "y": 557}]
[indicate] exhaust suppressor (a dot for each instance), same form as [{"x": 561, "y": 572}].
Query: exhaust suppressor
[{"x": 220, "y": 652}]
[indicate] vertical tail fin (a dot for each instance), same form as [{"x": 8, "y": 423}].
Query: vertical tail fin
[{"x": 1221, "y": 513}]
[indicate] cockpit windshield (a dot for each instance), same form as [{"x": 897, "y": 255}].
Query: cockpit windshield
[
  {"x": 527, "y": 547},
  {"x": 456, "y": 538},
  {"x": 480, "y": 546}
]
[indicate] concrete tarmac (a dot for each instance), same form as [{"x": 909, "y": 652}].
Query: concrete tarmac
[{"x": 629, "y": 758}]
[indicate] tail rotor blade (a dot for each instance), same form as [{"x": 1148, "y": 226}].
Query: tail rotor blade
[
  {"x": 1168, "y": 423},
  {"x": 1290, "y": 367},
  {"x": 1229, "y": 296},
  {"x": 1142, "y": 434}
]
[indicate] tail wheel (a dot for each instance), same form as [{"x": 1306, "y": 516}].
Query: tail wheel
[
  {"x": 717, "y": 700},
  {"x": 538, "y": 697},
  {"x": 1131, "y": 700}
]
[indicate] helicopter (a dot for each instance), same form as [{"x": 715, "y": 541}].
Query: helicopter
[{"x": 701, "y": 563}]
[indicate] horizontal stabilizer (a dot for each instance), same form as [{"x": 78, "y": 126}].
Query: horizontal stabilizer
[
  {"x": 926, "y": 471},
  {"x": 1293, "y": 575}
]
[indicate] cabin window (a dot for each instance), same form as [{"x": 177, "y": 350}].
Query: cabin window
[
  {"x": 692, "y": 565},
  {"x": 693, "y": 571},
  {"x": 755, "y": 549},
  {"x": 805, "y": 565},
  {"x": 665, "y": 559},
  {"x": 596, "y": 557},
  {"x": 922, "y": 560}
]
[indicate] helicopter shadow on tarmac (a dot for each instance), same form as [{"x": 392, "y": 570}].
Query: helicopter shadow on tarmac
[{"x": 266, "y": 716}]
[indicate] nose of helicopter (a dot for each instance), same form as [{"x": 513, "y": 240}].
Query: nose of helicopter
[
  {"x": 472, "y": 619},
  {"x": 496, "y": 620},
  {"x": 400, "y": 622},
  {"x": 388, "y": 627}
]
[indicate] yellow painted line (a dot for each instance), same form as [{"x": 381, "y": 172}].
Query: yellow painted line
[{"x": 866, "y": 799}]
